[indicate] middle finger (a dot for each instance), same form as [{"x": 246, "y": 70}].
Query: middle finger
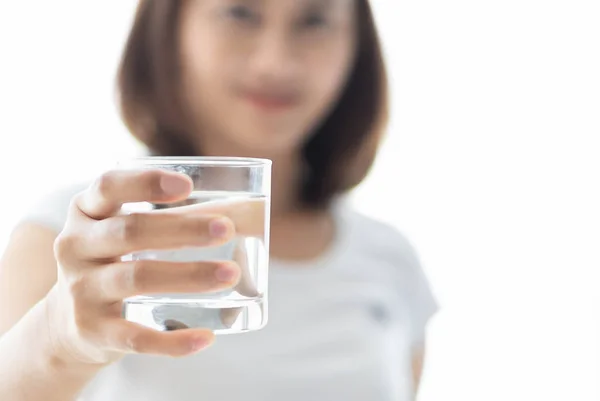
[
  {"x": 145, "y": 277},
  {"x": 125, "y": 234}
]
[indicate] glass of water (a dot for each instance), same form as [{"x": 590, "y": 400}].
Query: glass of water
[{"x": 239, "y": 188}]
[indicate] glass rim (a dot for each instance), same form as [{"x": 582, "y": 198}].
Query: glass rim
[{"x": 205, "y": 161}]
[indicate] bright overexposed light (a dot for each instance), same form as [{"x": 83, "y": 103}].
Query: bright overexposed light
[{"x": 491, "y": 167}]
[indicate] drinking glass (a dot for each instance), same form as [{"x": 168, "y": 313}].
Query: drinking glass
[{"x": 239, "y": 188}]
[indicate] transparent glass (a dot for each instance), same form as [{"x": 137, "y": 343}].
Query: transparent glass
[{"x": 239, "y": 188}]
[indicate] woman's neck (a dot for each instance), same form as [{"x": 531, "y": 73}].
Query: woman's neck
[
  {"x": 290, "y": 223},
  {"x": 286, "y": 176},
  {"x": 286, "y": 185}
]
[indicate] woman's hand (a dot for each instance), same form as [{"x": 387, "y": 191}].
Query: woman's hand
[{"x": 84, "y": 307}]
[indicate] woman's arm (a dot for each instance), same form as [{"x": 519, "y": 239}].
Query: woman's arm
[
  {"x": 30, "y": 367},
  {"x": 418, "y": 359},
  {"x": 27, "y": 272},
  {"x": 70, "y": 285}
]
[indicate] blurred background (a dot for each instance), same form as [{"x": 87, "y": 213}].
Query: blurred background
[{"x": 491, "y": 167}]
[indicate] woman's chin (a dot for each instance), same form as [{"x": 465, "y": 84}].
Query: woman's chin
[{"x": 269, "y": 143}]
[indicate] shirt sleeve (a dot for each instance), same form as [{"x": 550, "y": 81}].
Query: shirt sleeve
[
  {"x": 51, "y": 209},
  {"x": 422, "y": 303}
]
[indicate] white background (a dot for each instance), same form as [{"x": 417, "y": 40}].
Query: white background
[{"x": 491, "y": 167}]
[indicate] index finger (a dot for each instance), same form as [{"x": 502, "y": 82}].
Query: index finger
[{"x": 110, "y": 191}]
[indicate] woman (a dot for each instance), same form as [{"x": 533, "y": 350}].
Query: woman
[{"x": 300, "y": 82}]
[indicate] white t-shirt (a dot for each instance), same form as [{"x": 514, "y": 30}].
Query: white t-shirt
[{"x": 341, "y": 327}]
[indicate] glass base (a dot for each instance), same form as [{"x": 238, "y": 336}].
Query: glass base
[{"x": 220, "y": 316}]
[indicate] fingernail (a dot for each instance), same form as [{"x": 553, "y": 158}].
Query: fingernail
[
  {"x": 174, "y": 185},
  {"x": 226, "y": 273},
  {"x": 198, "y": 344},
  {"x": 218, "y": 228}
]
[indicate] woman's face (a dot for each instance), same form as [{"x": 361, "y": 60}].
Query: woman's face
[{"x": 258, "y": 75}]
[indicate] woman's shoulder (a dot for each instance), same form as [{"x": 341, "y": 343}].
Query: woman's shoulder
[
  {"x": 51, "y": 208},
  {"x": 385, "y": 244},
  {"x": 375, "y": 234},
  {"x": 382, "y": 242}
]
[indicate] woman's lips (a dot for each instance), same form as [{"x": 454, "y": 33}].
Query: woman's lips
[{"x": 269, "y": 101}]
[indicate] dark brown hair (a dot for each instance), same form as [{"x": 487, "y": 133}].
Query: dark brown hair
[{"x": 338, "y": 154}]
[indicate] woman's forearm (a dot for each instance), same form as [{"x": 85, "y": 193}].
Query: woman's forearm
[{"x": 31, "y": 369}]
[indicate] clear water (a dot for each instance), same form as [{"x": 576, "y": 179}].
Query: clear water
[{"x": 240, "y": 309}]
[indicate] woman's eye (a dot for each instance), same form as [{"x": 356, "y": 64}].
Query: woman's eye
[
  {"x": 314, "y": 21},
  {"x": 241, "y": 13}
]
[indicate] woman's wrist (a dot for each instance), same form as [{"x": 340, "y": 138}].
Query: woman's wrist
[
  {"x": 33, "y": 368},
  {"x": 55, "y": 354}
]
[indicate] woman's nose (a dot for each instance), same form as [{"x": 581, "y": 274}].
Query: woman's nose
[{"x": 274, "y": 58}]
